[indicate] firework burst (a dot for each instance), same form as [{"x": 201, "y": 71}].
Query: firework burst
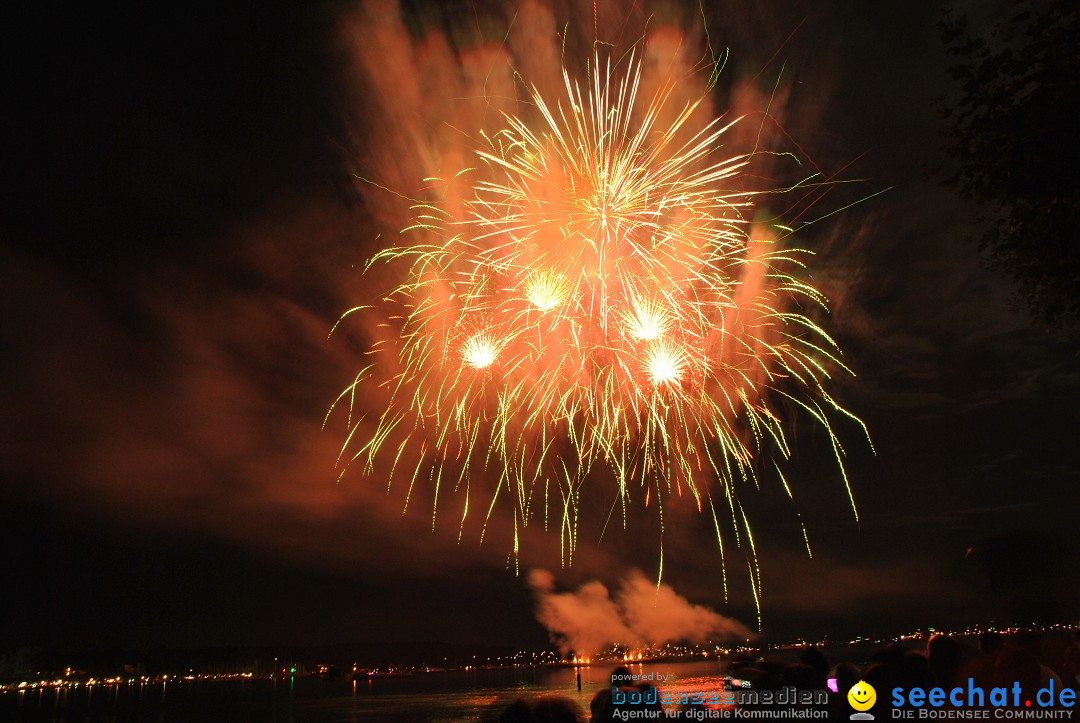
[{"x": 594, "y": 294}]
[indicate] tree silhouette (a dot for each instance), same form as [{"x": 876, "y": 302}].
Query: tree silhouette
[{"x": 1014, "y": 137}]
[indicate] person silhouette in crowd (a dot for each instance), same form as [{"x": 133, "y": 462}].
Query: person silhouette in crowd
[
  {"x": 945, "y": 656},
  {"x": 549, "y": 709},
  {"x": 816, "y": 659}
]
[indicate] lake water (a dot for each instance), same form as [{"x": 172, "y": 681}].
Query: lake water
[{"x": 438, "y": 696}]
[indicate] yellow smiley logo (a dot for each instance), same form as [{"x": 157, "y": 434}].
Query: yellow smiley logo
[{"x": 862, "y": 696}]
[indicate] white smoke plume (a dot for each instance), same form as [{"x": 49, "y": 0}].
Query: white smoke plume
[{"x": 591, "y": 619}]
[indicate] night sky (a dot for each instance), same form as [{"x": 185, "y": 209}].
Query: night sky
[{"x": 180, "y": 230}]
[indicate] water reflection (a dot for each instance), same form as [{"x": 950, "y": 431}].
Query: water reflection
[{"x": 446, "y": 695}]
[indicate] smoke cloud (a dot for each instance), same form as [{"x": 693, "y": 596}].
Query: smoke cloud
[{"x": 591, "y": 619}]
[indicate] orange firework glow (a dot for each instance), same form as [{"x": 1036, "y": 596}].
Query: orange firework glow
[{"x": 592, "y": 293}]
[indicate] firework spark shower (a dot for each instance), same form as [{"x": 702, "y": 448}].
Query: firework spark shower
[{"x": 586, "y": 289}]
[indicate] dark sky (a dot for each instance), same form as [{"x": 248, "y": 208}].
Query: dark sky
[{"x": 179, "y": 232}]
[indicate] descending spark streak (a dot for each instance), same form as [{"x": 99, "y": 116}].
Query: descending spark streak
[{"x": 598, "y": 298}]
